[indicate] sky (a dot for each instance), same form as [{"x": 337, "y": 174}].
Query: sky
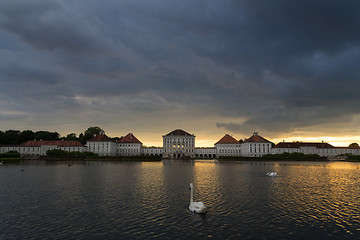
[{"x": 286, "y": 69}]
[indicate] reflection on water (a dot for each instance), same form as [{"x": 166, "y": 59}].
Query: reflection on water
[{"x": 117, "y": 200}]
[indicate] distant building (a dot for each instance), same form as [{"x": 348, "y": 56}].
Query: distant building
[
  {"x": 101, "y": 145},
  {"x": 255, "y": 146},
  {"x": 322, "y": 149},
  {"x": 178, "y": 144},
  {"x": 8, "y": 148},
  {"x": 129, "y": 146},
  {"x": 228, "y": 146},
  {"x": 205, "y": 152},
  {"x": 41, "y": 147},
  {"x": 152, "y": 151}
]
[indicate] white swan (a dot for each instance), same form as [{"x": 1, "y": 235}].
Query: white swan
[
  {"x": 197, "y": 207},
  {"x": 271, "y": 174}
]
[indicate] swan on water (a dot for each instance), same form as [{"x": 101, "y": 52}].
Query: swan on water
[
  {"x": 197, "y": 207},
  {"x": 271, "y": 174}
]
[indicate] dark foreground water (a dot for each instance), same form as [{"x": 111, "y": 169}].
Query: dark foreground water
[{"x": 113, "y": 200}]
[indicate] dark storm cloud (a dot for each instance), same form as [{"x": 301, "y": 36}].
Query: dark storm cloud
[{"x": 280, "y": 65}]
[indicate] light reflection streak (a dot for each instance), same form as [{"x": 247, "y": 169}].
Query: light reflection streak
[{"x": 317, "y": 193}]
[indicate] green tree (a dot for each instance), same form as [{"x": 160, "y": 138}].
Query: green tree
[
  {"x": 46, "y": 135},
  {"x": 71, "y": 136},
  {"x": 90, "y": 132},
  {"x": 354, "y": 145},
  {"x": 10, "y": 137},
  {"x": 25, "y": 136}
]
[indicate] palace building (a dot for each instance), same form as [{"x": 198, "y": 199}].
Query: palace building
[{"x": 180, "y": 144}]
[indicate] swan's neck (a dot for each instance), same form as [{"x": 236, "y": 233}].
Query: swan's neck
[{"x": 192, "y": 195}]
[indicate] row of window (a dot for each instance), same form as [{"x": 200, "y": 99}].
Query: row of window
[{"x": 228, "y": 151}]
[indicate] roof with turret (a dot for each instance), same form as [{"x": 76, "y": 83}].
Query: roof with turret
[
  {"x": 100, "y": 138},
  {"x": 179, "y": 132},
  {"x": 256, "y": 138},
  {"x": 52, "y": 143},
  {"x": 227, "y": 139},
  {"x": 129, "y": 138}
]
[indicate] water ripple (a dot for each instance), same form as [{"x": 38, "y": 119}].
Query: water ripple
[{"x": 137, "y": 201}]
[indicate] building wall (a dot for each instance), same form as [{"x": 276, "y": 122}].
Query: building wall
[
  {"x": 205, "y": 152},
  {"x": 152, "y": 151},
  {"x": 129, "y": 149},
  {"x": 179, "y": 145},
  {"x": 254, "y": 149},
  {"x": 323, "y": 152},
  {"x": 41, "y": 150},
  {"x": 228, "y": 149},
  {"x": 105, "y": 148}
]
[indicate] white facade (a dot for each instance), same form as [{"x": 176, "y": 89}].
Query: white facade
[
  {"x": 255, "y": 146},
  {"x": 228, "y": 149},
  {"x": 255, "y": 149},
  {"x": 152, "y": 151},
  {"x": 101, "y": 145},
  {"x": 40, "y": 148},
  {"x": 321, "y": 149},
  {"x": 205, "y": 152},
  {"x": 102, "y": 148},
  {"x": 129, "y": 146},
  {"x": 7, "y": 148},
  {"x": 179, "y": 144},
  {"x": 129, "y": 149}
]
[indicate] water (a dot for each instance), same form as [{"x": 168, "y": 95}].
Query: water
[{"x": 115, "y": 200}]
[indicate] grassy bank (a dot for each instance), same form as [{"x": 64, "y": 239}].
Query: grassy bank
[{"x": 352, "y": 158}]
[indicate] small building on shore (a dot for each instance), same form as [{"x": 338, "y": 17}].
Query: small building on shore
[
  {"x": 205, "y": 152},
  {"x": 152, "y": 151},
  {"x": 227, "y": 146},
  {"x": 322, "y": 149},
  {"x": 129, "y": 146},
  {"x": 41, "y": 147},
  {"x": 101, "y": 145},
  {"x": 255, "y": 146}
]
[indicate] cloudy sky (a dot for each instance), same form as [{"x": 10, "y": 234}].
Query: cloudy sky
[{"x": 286, "y": 69}]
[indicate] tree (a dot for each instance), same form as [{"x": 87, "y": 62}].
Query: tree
[
  {"x": 71, "y": 136},
  {"x": 46, "y": 135},
  {"x": 90, "y": 132},
  {"x": 10, "y": 137},
  {"x": 25, "y": 136},
  {"x": 354, "y": 145}
]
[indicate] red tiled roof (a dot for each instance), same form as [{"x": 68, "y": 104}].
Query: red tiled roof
[
  {"x": 178, "y": 132},
  {"x": 52, "y": 143},
  {"x": 227, "y": 139},
  {"x": 129, "y": 138},
  {"x": 9, "y": 145},
  {"x": 348, "y": 147},
  {"x": 256, "y": 138},
  {"x": 302, "y": 144},
  {"x": 100, "y": 138}
]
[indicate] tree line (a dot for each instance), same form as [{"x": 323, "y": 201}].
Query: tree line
[{"x": 15, "y": 137}]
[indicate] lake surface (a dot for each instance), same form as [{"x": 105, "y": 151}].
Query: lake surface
[{"x": 119, "y": 200}]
